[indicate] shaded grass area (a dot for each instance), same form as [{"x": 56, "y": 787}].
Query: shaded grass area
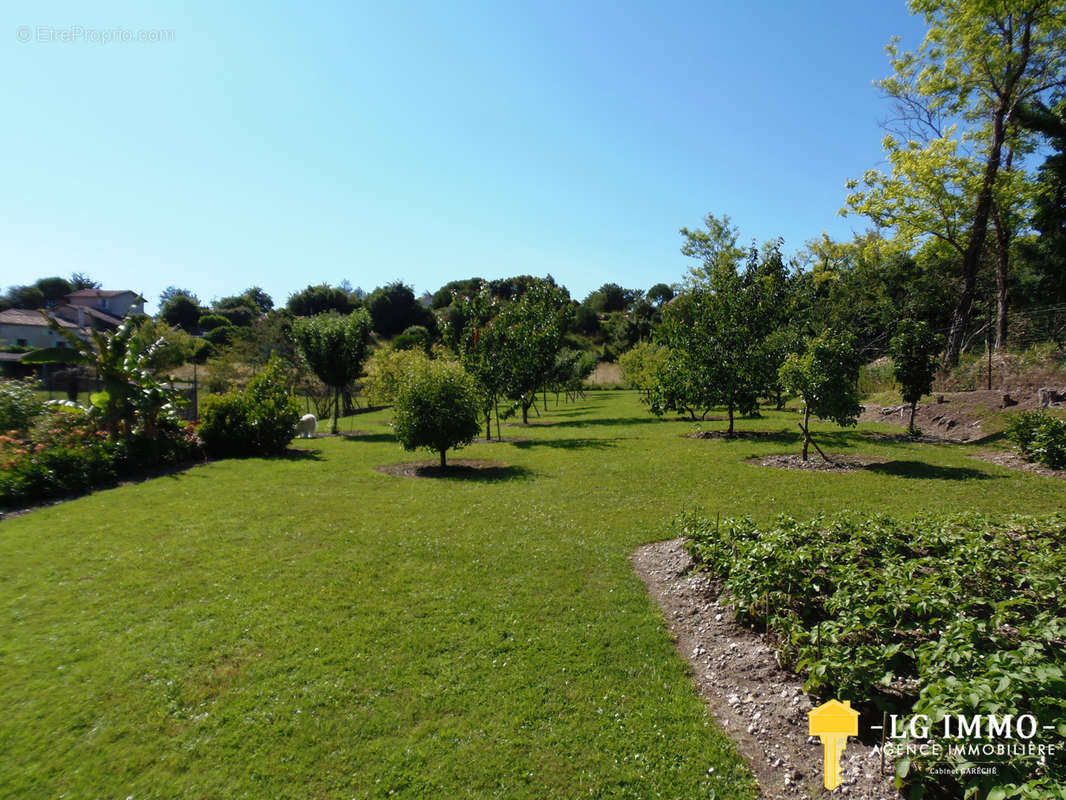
[{"x": 309, "y": 627}]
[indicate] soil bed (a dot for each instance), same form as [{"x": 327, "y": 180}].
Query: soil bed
[
  {"x": 838, "y": 463},
  {"x": 761, "y": 706},
  {"x": 1006, "y": 458},
  {"x": 457, "y": 468},
  {"x": 734, "y": 435}
]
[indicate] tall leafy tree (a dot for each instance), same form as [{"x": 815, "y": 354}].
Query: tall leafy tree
[
  {"x": 718, "y": 333},
  {"x": 81, "y": 280},
  {"x": 54, "y": 290},
  {"x": 978, "y": 64},
  {"x": 533, "y": 327},
  {"x": 476, "y": 333},
  {"x": 181, "y": 311},
  {"x": 659, "y": 294},
  {"x": 171, "y": 292},
  {"x": 322, "y": 298},
  {"x": 335, "y": 347},
  {"x": 611, "y": 297},
  {"x": 394, "y": 308}
]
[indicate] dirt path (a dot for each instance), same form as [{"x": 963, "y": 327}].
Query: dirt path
[{"x": 761, "y": 706}]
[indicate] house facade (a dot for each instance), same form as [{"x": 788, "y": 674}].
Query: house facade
[
  {"x": 99, "y": 308},
  {"x": 81, "y": 311},
  {"x": 25, "y": 328}
]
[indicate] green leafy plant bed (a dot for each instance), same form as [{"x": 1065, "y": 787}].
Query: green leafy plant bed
[{"x": 927, "y": 618}]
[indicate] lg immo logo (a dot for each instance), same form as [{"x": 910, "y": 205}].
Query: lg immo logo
[
  {"x": 978, "y": 740},
  {"x": 968, "y": 736}
]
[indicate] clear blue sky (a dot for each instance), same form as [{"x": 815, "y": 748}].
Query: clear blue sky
[{"x": 288, "y": 144}]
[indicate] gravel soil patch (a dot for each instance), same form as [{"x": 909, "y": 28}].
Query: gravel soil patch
[
  {"x": 837, "y": 463},
  {"x": 761, "y": 706},
  {"x": 1007, "y": 458}
]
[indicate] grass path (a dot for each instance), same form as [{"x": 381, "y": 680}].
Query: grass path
[{"x": 310, "y": 628}]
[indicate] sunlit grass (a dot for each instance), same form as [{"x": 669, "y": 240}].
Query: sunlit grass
[{"x": 308, "y": 627}]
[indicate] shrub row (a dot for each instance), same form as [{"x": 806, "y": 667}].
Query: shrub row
[
  {"x": 1039, "y": 436},
  {"x": 940, "y": 615},
  {"x": 64, "y": 453}
]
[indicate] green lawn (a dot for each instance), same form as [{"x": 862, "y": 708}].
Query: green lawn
[{"x": 311, "y": 628}]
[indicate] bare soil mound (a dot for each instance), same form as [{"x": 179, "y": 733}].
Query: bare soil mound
[
  {"x": 761, "y": 706},
  {"x": 837, "y": 463},
  {"x": 960, "y": 415},
  {"x": 457, "y": 468}
]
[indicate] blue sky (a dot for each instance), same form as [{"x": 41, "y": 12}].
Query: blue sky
[{"x": 288, "y": 144}]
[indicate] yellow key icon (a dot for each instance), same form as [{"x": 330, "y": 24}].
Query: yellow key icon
[{"x": 833, "y": 722}]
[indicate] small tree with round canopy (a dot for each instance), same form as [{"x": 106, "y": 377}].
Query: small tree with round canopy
[
  {"x": 826, "y": 378},
  {"x": 438, "y": 406},
  {"x": 914, "y": 351}
]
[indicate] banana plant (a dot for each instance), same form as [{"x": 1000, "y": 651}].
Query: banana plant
[{"x": 129, "y": 392}]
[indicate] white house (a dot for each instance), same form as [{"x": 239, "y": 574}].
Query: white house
[
  {"x": 81, "y": 310},
  {"x": 100, "y": 308},
  {"x": 25, "y": 328}
]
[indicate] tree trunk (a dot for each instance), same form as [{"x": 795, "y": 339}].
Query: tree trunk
[
  {"x": 730, "y": 431},
  {"x": 1003, "y": 236},
  {"x": 336, "y": 408},
  {"x": 971, "y": 258},
  {"x": 488, "y": 424},
  {"x": 443, "y": 463},
  {"x": 496, "y": 405},
  {"x": 806, "y": 430},
  {"x": 525, "y": 413},
  {"x": 910, "y": 425}
]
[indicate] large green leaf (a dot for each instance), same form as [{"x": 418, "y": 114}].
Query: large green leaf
[{"x": 53, "y": 355}]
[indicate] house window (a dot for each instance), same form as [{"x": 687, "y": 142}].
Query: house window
[
  {"x": 22, "y": 343},
  {"x": 61, "y": 344}
]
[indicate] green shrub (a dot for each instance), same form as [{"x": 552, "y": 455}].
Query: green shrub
[
  {"x": 1039, "y": 436},
  {"x": 221, "y": 336},
  {"x": 259, "y": 421},
  {"x": 64, "y": 453},
  {"x": 438, "y": 406},
  {"x": 935, "y": 615},
  {"x": 209, "y": 322},
  {"x": 387, "y": 370},
  {"x": 19, "y": 404},
  {"x": 414, "y": 337}
]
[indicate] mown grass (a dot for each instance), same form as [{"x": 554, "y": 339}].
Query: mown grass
[{"x": 308, "y": 627}]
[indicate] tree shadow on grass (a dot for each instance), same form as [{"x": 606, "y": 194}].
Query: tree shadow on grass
[
  {"x": 368, "y": 437},
  {"x": 920, "y": 469},
  {"x": 570, "y": 444},
  {"x": 466, "y": 470},
  {"x": 775, "y": 437},
  {"x": 618, "y": 421},
  {"x": 299, "y": 454}
]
